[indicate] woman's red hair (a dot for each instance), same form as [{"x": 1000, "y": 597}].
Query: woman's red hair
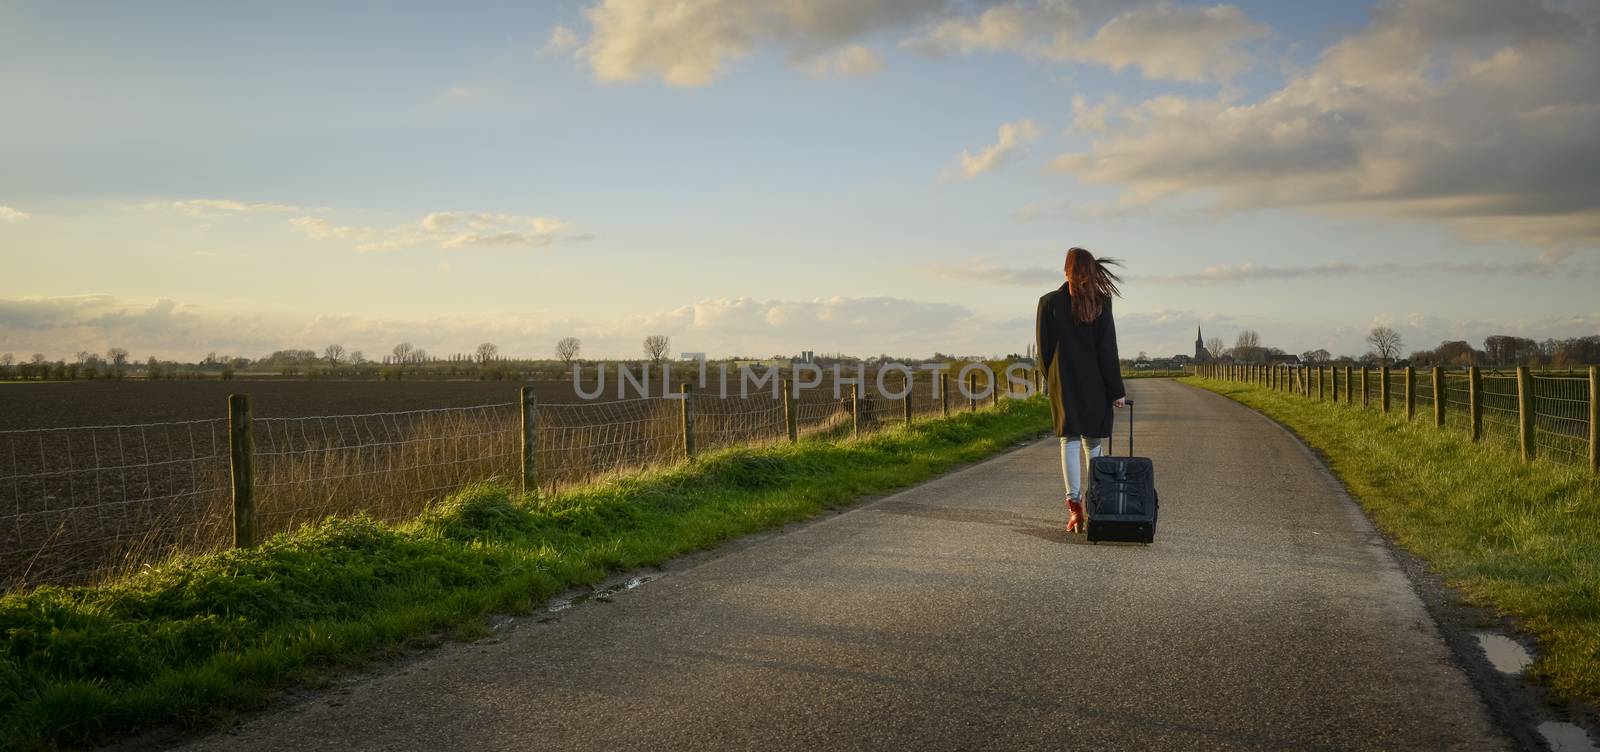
[{"x": 1090, "y": 282}]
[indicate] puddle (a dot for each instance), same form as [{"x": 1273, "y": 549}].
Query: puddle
[
  {"x": 601, "y": 594},
  {"x": 1504, "y": 653},
  {"x": 1565, "y": 737}
]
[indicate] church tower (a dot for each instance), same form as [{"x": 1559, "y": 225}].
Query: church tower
[{"x": 1200, "y": 354}]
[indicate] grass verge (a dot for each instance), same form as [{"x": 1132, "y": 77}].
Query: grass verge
[
  {"x": 1521, "y": 539},
  {"x": 196, "y": 640}
]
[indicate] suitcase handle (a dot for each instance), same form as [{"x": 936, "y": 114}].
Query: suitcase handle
[{"x": 1129, "y": 403}]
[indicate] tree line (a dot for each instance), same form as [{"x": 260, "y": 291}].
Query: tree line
[
  {"x": 333, "y": 360},
  {"x": 1385, "y": 346}
]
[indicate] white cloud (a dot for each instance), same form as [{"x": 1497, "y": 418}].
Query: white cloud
[
  {"x": 1088, "y": 118},
  {"x": 723, "y": 326},
  {"x": 853, "y": 60},
  {"x": 1011, "y": 138},
  {"x": 693, "y": 42},
  {"x": 1162, "y": 41},
  {"x": 689, "y": 43},
  {"x": 987, "y": 273},
  {"x": 8, "y": 214},
  {"x": 1484, "y": 115},
  {"x": 1543, "y": 265},
  {"x": 445, "y": 230},
  {"x": 1170, "y": 42},
  {"x": 198, "y": 206},
  {"x": 562, "y": 41}
]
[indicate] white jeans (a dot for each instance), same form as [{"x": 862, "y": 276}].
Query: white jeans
[{"x": 1072, "y": 461}]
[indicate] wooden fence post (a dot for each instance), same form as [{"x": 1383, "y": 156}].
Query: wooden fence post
[
  {"x": 855, "y": 410},
  {"x": 1525, "y": 414},
  {"x": 529, "y": 440},
  {"x": 1441, "y": 396},
  {"x": 907, "y": 399},
  {"x": 1383, "y": 387},
  {"x": 1349, "y": 385},
  {"x": 791, "y": 411},
  {"x": 1333, "y": 384},
  {"x": 1411, "y": 393},
  {"x": 972, "y": 393},
  {"x": 944, "y": 395},
  {"x": 686, "y": 409},
  {"x": 242, "y": 468},
  {"x": 1475, "y": 402},
  {"x": 1594, "y": 419},
  {"x": 1366, "y": 394}
]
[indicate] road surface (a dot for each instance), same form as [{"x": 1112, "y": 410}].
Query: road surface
[{"x": 957, "y": 615}]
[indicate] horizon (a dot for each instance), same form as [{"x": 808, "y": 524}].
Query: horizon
[{"x": 890, "y": 176}]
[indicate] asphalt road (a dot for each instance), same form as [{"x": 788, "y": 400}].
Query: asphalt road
[{"x": 957, "y": 615}]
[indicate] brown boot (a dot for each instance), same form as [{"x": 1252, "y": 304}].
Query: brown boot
[{"x": 1074, "y": 516}]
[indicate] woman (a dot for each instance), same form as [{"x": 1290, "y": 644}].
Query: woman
[{"x": 1078, "y": 353}]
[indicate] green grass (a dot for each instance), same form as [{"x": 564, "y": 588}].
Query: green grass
[
  {"x": 1521, "y": 539},
  {"x": 196, "y": 640}
]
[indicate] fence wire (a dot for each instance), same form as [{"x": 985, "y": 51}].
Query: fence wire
[
  {"x": 582, "y": 442},
  {"x": 1560, "y": 403},
  {"x": 1561, "y": 418},
  {"x": 99, "y": 500},
  {"x": 1499, "y": 404},
  {"x": 80, "y": 503},
  {"x": 389, "y": 465}
]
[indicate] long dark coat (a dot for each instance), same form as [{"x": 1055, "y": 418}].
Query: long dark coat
[{"x": 1081, "y": 370}]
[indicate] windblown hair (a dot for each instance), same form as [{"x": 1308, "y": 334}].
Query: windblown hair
[{"x": 1091, "y": 283}]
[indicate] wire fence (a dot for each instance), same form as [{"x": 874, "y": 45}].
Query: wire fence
[
  {"x": 86, "y": 503},
  {"x": 107, "y": 496},
  {"x": 1550, "y": 416}
]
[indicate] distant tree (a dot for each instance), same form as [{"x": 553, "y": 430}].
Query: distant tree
[
  {"x": 419, "y": 355},
  {"x": 39, "y": 359},
  {"x": 567, "y": 349},
  {"x": 7, "y": 359},
  {"x": 487, "y": 352},
  {"x": 1455, "y": 352},
  {"x": 655, "y": 347},
  {"x": 356, "y": 358},
  {"x": 1315, "y": 357},
  {"x": 404, "y": 352},
  {"x": 1247, "y": 347},
  {"x": 1506, "y": 350},
  {"x": 118, "y": 358},
  {"x": 1143, "y": 357},
  {"x": 1215, "y": 347},
  {"x": 1385, "y": 342},
  {"x": 333, "y": 354}
]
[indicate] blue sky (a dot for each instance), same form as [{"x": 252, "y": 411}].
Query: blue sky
[{"x": 759, "y": 177}]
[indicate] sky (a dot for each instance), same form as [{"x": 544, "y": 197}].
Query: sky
[{"x": 758, "y": 177}]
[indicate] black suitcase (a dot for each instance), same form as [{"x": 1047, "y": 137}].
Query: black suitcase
[{"x": 1122, "y": 496}]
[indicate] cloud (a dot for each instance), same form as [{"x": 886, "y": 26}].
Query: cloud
[
  {"x": 562, "y": 41},
  {"x": 691, "y": 42},
  {"x": 1482, "y": 115},
  {"x": 1011, "y": 137},
  {"x": 1162, "y": 41},
  {"x": 853, "y": 60},
  {"x": 1543, "y": 265},
  {"x": 1091, "y": 119},
  {"x": 8, "y": 214},
  {"x": 979, "y": 271},
  {"x": 444, "y": 230},
  {"x": 721, "y": 326},
  {"x": 1177, "y": 43},
  {"x": 199, "y": 206}
]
